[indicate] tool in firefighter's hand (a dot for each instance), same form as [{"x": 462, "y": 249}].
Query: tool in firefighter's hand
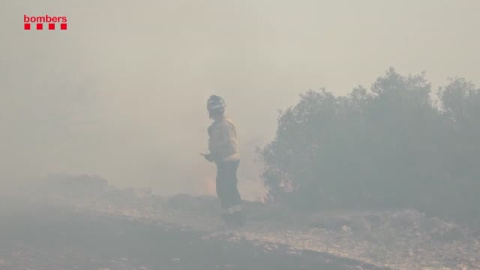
[{"x": 208, "y": 157}]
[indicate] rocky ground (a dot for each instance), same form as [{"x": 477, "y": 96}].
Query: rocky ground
[
  {"x": 51, "y": 238},
  {"x": 83, "y": 223}
]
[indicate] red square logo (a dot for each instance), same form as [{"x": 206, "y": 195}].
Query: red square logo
[
  {"x": 26, "y": 26},
  {"x": 39, "y": 26},
  {"x": 63, "y": 26},
  {"x": 51, "y": 26}
]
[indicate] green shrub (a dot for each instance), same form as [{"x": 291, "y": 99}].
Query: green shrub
[{"x": 392, "y": 146}]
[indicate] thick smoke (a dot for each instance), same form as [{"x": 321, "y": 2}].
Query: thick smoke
[{"x": 122, "y": 92}]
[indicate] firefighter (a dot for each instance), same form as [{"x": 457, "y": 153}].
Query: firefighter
[{"x": 223, "y": 146}]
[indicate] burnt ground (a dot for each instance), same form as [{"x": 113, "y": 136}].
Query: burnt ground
[
  {"x": 37, "y": 236},
  {"x": 83, "y": 223}
]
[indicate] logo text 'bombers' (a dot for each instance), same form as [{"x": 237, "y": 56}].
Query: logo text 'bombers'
[{"x": 51, "y": 21}]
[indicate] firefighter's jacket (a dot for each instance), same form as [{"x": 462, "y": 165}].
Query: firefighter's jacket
[{"x": 222, "y": 142}]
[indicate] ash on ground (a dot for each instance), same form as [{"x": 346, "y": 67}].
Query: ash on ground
[{"x": 81, "y": 222}]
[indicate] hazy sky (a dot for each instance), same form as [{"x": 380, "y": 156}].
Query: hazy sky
[{"x": 122, "y": 92}]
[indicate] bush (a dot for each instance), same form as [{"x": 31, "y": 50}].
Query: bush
[{"x": 390, "y": 147}]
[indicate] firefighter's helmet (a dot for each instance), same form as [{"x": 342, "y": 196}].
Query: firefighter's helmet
[{"x": 215, "y": 105}]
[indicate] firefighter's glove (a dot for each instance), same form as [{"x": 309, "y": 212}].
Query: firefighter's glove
[{"x": 208, "y": 157}]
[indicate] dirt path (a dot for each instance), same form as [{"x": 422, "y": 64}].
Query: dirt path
[
  {"x": 96, "y": 226},
  {"x": 39, "y": 237}
]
